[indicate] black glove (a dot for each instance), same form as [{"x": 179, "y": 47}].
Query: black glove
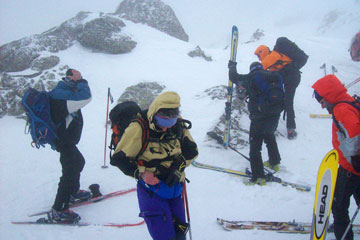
[
  {"x": 232, "y": 70},
  {"x": 232, "y": 66},
  {"x": 355, "y": 162},
  {"x": 176, "y": 170}
]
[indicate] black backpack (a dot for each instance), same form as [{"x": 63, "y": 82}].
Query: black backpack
[
  {"x": 290, "y": 49},
  {"x": 268, "y": 89},
  {"x": 121, "y": 116}
]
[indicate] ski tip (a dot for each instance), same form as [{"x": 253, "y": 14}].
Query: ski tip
[{"x": 220, "y": 221}]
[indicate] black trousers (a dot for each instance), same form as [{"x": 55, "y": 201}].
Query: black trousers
[
  {"x": 347, "y": 185},
  {"x": 291, "y": 79},
  {"x": 72, "y": 163},
  {"x": 262, "y": 130}
]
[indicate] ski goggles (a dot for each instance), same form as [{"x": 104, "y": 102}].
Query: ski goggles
[
  {"x": 317, "y": 96},
  {"x": 163, "y": 121}
]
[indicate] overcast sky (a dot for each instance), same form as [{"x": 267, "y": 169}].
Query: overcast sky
[{"x": 21, "y": 18}]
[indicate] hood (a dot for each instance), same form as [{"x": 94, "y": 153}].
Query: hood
[
  {"x": 331, "y": 89},
  {"x": 164, "y": 100},
  {"x": 262, "y": 51}
]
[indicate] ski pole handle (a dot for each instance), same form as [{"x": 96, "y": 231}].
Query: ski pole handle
[{"x": 323, "y": 67}]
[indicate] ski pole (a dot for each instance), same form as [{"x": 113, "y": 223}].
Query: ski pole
[
  {"x": 353, "y": 83},
  {"x": 333, "y": 69},
  {"x": 350, "y": 223},
  {"x": 220, "y": 141},
  {"x": 186, "y": 204},
  {"x": 106, "y": 125},
  {"x": 323, "y": 67}
]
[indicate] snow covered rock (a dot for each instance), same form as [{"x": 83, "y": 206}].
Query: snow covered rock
[{"x": 154, "y": 13}]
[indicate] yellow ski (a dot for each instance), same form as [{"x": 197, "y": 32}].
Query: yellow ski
[
  {"x": 315, "y": 115},
  {"x": 324, "y": 193}
]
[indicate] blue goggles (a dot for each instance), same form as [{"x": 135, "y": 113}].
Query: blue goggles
[{"x": 164, "y": 121}]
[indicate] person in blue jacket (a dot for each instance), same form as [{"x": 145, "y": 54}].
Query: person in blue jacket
[{"x": 66, "y": 100}]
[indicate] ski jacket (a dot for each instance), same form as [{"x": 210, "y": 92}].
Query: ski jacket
[
  {"x": 346, "y": 138},
  {"x": 66, "y": 101},
  {"x": 163, "y": 147}
]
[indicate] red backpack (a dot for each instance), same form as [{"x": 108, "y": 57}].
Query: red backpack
[{"x": 355, "y": 48}]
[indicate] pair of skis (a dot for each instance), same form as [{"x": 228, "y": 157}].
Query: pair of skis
[
  {"x": 248, "y": 174},
  {"x": 277, "y": 226},
  {"x": 44, "y": 221},
  {"x": 230, "y": 88},
  {"x": 269, "y": 174}
]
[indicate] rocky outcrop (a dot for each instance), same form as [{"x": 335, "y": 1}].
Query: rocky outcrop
[
  {"x": 95, "y": 31},
  {"x": 239, "y": 116},
  {"x": 143, "y": 93},
  {"x": 155, "y": 14},
  {"x": 198, "y": 52},
  {"x": 104, "y": 34},
  {"x": 98, "y": 32}
]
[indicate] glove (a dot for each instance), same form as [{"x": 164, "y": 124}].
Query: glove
[
  {"x": 232, "y": 66},
  {"x": 176, "y": 171},
  {"x": 355, "y": 162},
  {"x": 232, "y": 70}
]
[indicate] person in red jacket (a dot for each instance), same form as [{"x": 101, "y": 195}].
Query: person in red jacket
[{"x": 330, "y": 93}]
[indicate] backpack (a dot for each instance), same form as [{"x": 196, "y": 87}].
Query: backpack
[
  {"x": 269, "y": 92},
  {"x": 39, "y": 123},
  {"x": 290, "y": 49},
  {"x": 120, "y": 117},
  {"x": 355, "y": 48}
]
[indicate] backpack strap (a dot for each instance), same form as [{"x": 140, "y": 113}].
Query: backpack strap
[{"x": 145, "y": 134}]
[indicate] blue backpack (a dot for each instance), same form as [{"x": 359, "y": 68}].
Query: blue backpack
[
  {"x": 269, "y": 89},
  {"x": 39, "y": 123}
]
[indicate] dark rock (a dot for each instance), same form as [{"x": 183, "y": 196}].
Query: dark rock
[{"x": 155, "y": 14}]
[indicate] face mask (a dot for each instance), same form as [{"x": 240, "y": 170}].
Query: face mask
[{"x": 162, "y": 121}]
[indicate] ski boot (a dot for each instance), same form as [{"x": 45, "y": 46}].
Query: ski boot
[
  {"x": 66, "y": 216},
  {"x": 95, "y": 190},
  {"x": 80, "y": 196},
  {"x": 275, "y": 167},
  {"x": 258, "y": 181}
]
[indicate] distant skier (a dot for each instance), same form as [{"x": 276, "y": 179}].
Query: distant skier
[
  {"x": 264, "y": 115},
  {"x": 66, "y": 101},
  {"x": 329, "y": 92},
  {"x": 276, "y": 61},
  {"x": 160, "y": 168}
]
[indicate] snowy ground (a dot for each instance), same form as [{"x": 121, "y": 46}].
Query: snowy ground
[{"x": 29, "y": 177}]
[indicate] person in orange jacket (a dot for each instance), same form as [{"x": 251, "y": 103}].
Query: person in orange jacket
[
  {"x": 330, "y": 93},
  {"x": 275, "y": 61}
]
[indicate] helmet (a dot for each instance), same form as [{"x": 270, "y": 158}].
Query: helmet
[{"x": 255, "y": 65}]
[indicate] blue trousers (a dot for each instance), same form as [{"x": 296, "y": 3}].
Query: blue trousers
[{"x": 158, "y": 214}]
